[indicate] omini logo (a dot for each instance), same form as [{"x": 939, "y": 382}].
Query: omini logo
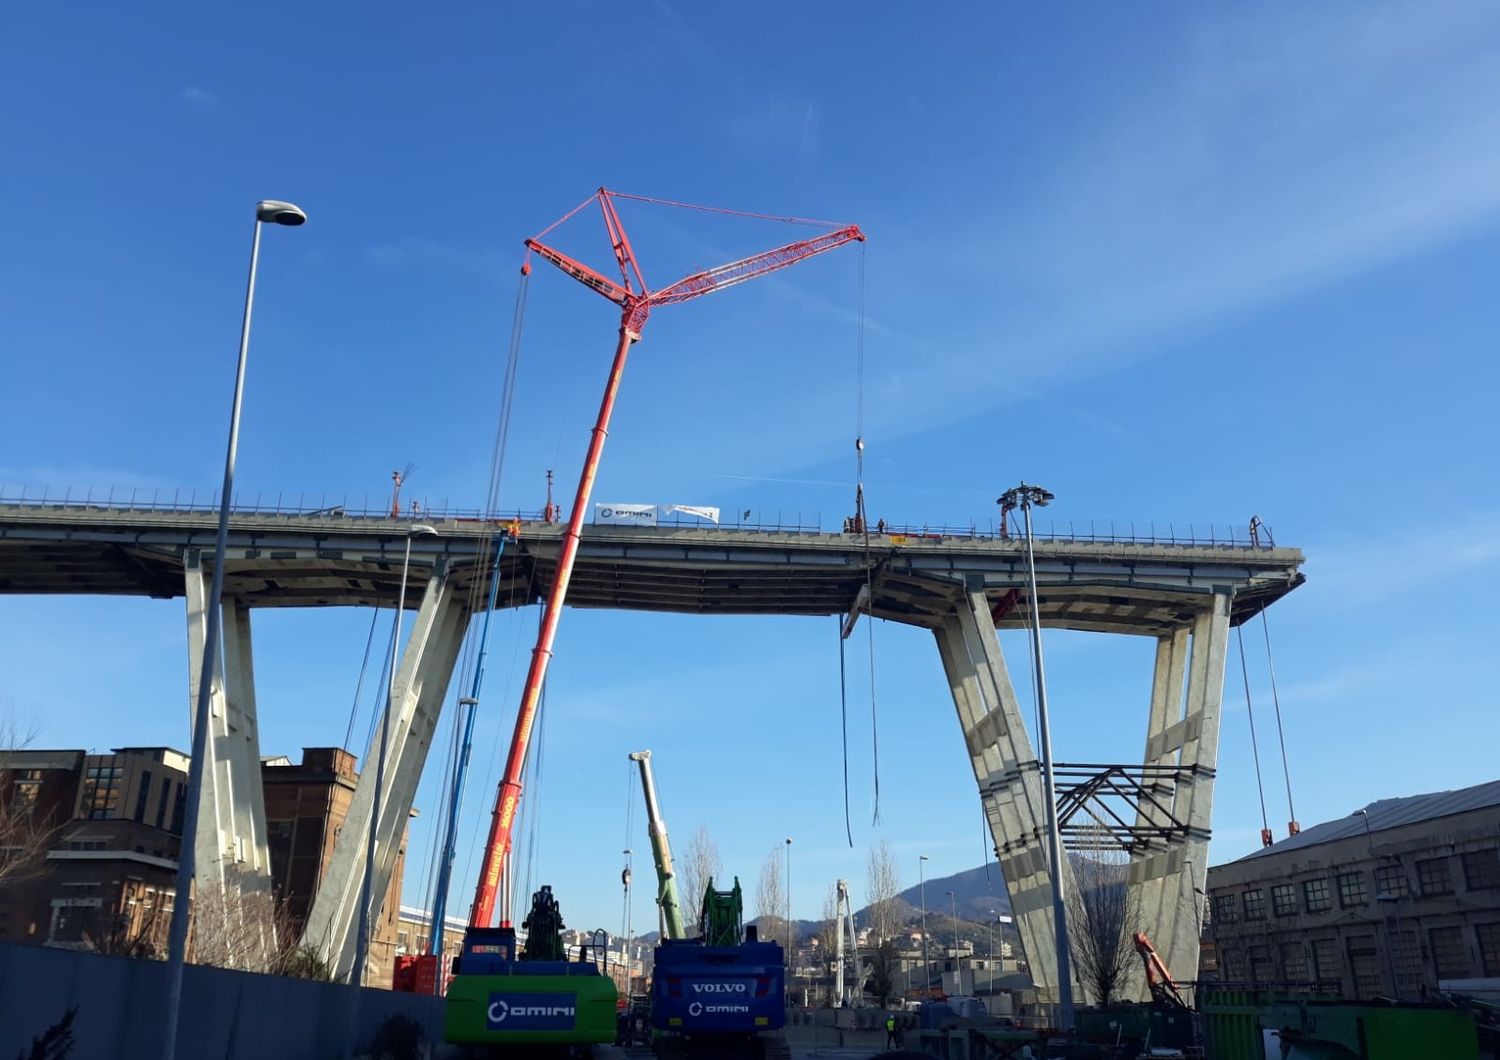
[{"x": 531, "y": 1012}]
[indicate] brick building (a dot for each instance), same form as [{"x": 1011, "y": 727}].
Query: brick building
[
  {"x": 306, "y": 806},
  {"x": 106, "y": 828},
  {"x": 1406, "y": 889},
  {"x": 102, "y": 834}
]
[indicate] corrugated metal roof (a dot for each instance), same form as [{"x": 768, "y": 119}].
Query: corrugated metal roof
[{"x": 1390, "y": 813}]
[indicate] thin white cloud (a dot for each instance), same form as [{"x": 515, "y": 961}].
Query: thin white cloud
[
  {"x": 1358, "y": 573},
  {"x": 194, "y": 96}
]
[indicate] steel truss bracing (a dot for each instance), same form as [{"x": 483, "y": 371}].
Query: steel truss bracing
[{"x": 1119, "y": 807}]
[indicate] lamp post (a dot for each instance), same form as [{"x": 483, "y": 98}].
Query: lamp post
[
  {"x": 362, "y": 939},
  {"x": 926, "y": 967},
  {"x": 994, "y": 919},
  {"x": 1390, "y": 940},
  {"x": 791, "y": 960},
  {"x": 1025, "y": 497},
  {"x": 268, "y": 211}
]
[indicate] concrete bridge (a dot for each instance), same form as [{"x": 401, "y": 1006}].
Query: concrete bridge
[{"x": 1186, "y": 594}]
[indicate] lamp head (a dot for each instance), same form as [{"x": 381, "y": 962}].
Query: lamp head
[
  {"x": 421, "y": 530},
  {"x": 274, "y": 211}
]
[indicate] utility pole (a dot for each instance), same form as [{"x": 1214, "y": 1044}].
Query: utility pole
[
  {"x": 1025, "y": 497},
  {"x": 926, "y": 966}
]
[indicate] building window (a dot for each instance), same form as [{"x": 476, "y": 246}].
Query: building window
[
  {"x": 143, "y": 796},
  {"x": 1433, "y": 876},
  {"x": 1315, "y": 894},
  {"x": 101, "y": 791},
  {"x": 1351, "y": 889},
  {"x": 1449, "y": 952},
  {"x": 1233, "y": 959},
  {"x": 1390, "y": 881},
  {"x": 1260, "y": 964},
  {"x": 1489, "y": 948},
  {"x": 161, "y": 802},
  {"x": 1364, "y": 960},
  {"x": 1255, "y": 905},
  {"x": 179, "y": 808},
  {"x": 1294, "y": 962},
  {"x": 1225, "y": 911},
  {"x": 1284, "y": 899},
  {"x": 1481, "y": 870},
  {"x": 26, "y": 789},
  {"x": 1326, "y": 963}
]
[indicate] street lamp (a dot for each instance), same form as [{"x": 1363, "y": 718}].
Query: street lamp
[
  {"x": 994, "y": 919},
  {"x": 1390, "y": 940},
  {"x": 268, "y": 211},
  {"x": 791, "y": 960},
  {"x": 1026, "y": 497},
  {"x": 926, "y": 967},
  {"x": 362, "y": 939}
]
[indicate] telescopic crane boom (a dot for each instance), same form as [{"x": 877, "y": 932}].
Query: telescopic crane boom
[
  {"x": 661, "y": 851},
  {"x": 636, "y": 302}
]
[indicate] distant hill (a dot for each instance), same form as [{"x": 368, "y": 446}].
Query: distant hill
[{"x": 976, "y": 891}]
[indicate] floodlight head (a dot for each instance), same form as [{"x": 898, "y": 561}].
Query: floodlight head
[
  {"x": 274, "y": 211},
  {"x": 421, "y": 530}
]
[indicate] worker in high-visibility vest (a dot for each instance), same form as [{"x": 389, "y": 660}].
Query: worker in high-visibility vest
[{"x": 890, "y": 1030}]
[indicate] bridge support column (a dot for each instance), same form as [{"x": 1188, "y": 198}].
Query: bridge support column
[
  {"x": 232, "y": 855},
  {"x": 421, "y": 683},
  {"x": 1008, "y": 774},
  {"x": 1183, "y": 731}
]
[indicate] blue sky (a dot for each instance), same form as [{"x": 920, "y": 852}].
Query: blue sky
[{"x": 1178, "y": 263}]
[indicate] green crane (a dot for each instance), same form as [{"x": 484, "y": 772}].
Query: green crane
[{"x": 661, "y": 852}]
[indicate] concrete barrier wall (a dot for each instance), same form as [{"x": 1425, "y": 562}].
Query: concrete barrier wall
[{"x": 229, "y": 1015}]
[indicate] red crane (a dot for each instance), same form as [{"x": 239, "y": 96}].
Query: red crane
[{"x": 636, "y": 301}]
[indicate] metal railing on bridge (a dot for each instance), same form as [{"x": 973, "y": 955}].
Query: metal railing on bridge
[{"x": 342, "y": 507}]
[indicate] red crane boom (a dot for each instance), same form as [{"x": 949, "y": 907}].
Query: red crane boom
[{"x": 636, "y": 303}]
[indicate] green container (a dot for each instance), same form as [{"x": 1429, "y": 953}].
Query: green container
[
  {"x": 533, "y": 1009},
  {"x": 1137, "y": 1023},
  {"x": 1374, "y": 1032}
]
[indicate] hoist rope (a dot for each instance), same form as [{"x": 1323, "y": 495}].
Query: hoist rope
[
  {"x": 1286, "y": 770},
  {"x": 360, "y": 684},
  {"x": 844, "y": 725},
  {"x": 1260, "y": 789},
  {"x": 811, "y": 222},
  {"x": 864, "y": 526}
]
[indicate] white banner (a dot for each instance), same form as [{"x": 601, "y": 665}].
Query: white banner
[
  {"x": 626, "y": 514},
  {"x": 711, "y": 514}
]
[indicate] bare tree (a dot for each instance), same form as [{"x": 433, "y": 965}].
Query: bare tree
[
  {"x": 828, "y": 933},
  {"x": 883, "y": 885},
  {"x": 1103, "y": 915},
  {"x": 249, "y": 930},
  {"x": 26, "y": 825},
  {"x": 770, "y": 897},
  {"x": 698, "y": 863}
]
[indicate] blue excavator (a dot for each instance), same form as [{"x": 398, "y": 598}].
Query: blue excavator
[{"x": 722, "y": 994}]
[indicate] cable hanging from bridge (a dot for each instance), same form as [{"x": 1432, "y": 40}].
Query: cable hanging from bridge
[
  {"x": 844, "y": 724},
  {"x": 360, "y": 684},
  {"x": 862, "y": 527},
  {"x": 1260, "y": 788},
  {"x": 1292, "y": 826}
]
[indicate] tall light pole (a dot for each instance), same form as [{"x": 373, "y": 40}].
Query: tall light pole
[
  {"x": 994, "y": 919},
  {"x": 1025, "y": 497},
  {"x": 1390, "y": 940},
  {"x": 268, "y": 211},
  {"x": 926, "y": 967},
  {"x": 362, "y": 939},
  {"x": 791, "y": 961}
]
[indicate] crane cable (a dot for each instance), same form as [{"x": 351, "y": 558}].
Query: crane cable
[
  {"x": 864, "y": 527},
  {"x": 1286, "y": 770},
  {"x": 1265, "y": 824},
  {"x": 360, "y": 684},
  {"x": 844, "y": 725}
]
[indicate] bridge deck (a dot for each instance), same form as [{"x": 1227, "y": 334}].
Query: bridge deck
[{"x": 336, "y": 560}]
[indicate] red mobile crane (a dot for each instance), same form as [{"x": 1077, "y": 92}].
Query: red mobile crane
[{"x": 636, "y": 301}]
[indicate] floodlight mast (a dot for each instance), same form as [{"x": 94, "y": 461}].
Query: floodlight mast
[{"x": 635, "y": 302}]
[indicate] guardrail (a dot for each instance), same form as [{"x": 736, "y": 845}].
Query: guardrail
[{"x": 304, "y": 505}]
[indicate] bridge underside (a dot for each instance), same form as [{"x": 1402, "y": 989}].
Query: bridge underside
[{"x": 964, "y": 589}]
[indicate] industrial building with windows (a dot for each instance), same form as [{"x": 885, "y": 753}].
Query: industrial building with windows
[{"x": 1399, "y": 899}]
